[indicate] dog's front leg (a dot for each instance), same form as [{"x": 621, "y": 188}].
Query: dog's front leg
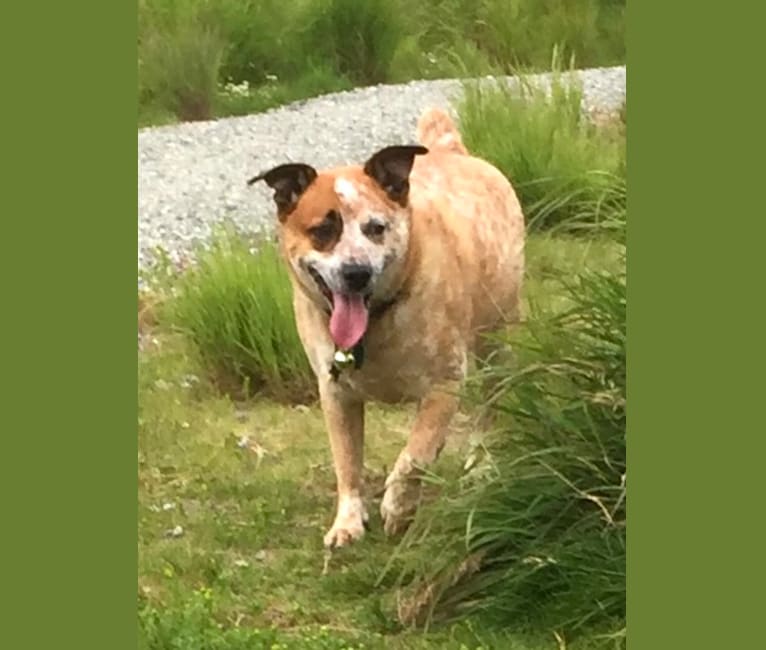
[
  {"x": 344, "y": 415},
  {"x": 426, "y": 441}
]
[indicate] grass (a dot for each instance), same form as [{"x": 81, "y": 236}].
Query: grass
[
  {"x": 534, "y": 531},
  {"x": 189, "y": 50},
  {"x": 252, "y": 487},
  {"x": 235, "y": 308},
  {"x": 568, "y": 172}
]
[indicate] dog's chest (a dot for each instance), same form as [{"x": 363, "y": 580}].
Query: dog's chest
[{"x": 404, "y": 367}]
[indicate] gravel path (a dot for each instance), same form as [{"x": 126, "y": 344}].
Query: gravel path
[{"x": 192, "y": 176}]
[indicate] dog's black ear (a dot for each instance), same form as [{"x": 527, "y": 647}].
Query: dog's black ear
[
  {"x": 288, "y": 181},
  {"x": 391, "y": 167}
]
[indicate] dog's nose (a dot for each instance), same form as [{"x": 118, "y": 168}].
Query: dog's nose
[{"x": 356, "y": 276}]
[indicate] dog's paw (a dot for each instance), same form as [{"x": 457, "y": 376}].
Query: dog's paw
[
  {"x": 350, "y": 522},
  {"x": 400, "y": 500}
]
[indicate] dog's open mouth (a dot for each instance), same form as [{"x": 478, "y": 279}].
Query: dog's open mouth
[
  {"x": 319, "y": 280},
  {"x": 349, "y": 315}
]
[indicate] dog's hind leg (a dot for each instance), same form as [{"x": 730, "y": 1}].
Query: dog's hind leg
[
  {"x": 426, "y": 440},
  {"x": 344, "y": 415}
]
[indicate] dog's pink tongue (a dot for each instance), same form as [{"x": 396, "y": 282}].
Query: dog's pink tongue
[{"x": 348, "y": 322}]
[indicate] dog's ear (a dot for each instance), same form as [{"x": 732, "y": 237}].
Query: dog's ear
[
  {"x": 391, "y": 167},
  {"x": 288, "y": 181}
]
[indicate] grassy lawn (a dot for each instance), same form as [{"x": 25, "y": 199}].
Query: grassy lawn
[{"x": 234, "y": 498}]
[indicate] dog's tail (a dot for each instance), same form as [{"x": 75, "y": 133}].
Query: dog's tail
[{"x": 436, "y": 130}]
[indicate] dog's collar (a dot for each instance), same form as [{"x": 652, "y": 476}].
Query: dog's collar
[{"x": 355, "y": 356}]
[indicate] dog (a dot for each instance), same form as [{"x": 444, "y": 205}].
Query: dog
[{"x": 398, "y": 267}]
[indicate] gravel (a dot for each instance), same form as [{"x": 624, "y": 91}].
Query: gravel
[{"x": 193, "y": 176}]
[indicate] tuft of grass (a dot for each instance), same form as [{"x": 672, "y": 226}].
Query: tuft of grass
[
  {"x": 179, "y": 69},
  {"x": 568, "y": 172},
  {"x": 358, "y": 38},
  {"x": 534, "y": 531},
  {"x": 235, "y": 306}
]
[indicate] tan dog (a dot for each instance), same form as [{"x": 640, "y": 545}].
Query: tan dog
[{"x": 403, "y": 262}]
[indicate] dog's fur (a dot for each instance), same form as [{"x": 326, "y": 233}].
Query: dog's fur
[{"x": 442, "y": 234}]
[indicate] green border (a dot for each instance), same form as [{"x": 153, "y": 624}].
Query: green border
[
  {"x": 693, "y": 556},
  {"x": 69, "y": 310}
]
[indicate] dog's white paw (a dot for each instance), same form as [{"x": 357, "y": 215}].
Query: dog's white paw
[
  {"x": 401, "y": 497},
  {"x": 350, "y": 522}
]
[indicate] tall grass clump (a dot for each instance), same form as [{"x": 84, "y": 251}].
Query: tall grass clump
[
  {"x": 235, "y": 306},
  {"x": 179, "y": 67},
  {"x": 533, "y": 535},
  {"x": 358, "y": 39},
  {"x": 561, "y": 164}
]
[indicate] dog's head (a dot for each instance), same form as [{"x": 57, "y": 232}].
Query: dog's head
[{"x": 346, "y": 233}]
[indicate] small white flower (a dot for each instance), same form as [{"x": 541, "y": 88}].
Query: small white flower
[{"x": 176, "y": 532}]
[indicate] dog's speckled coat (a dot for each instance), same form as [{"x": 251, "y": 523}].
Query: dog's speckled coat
[{"x": 451, "y": 257}]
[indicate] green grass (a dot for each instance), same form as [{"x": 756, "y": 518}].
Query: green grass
[
  {"x": 569, "y": 173},
  {"x": 190, "y": 49},
  {"x": 251, "y": 485},
  {"x": 179, "y": 68},
  {"x": 235, "y": 308},
  {"x": 534, "y": 531}
]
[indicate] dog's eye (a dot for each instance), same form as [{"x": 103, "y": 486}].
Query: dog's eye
[
  {"x": 327, "y": 230},
  {"x": 374, "y": 228}
]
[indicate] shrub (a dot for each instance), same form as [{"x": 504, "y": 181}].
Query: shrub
[
  {"x": 562, "y": 166},
  {"x": 533, "y": 534},
  {"x": 358, "y": 38},
  {"x": 179, "y": 67},
  {"x": 235, "y": 306}
]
